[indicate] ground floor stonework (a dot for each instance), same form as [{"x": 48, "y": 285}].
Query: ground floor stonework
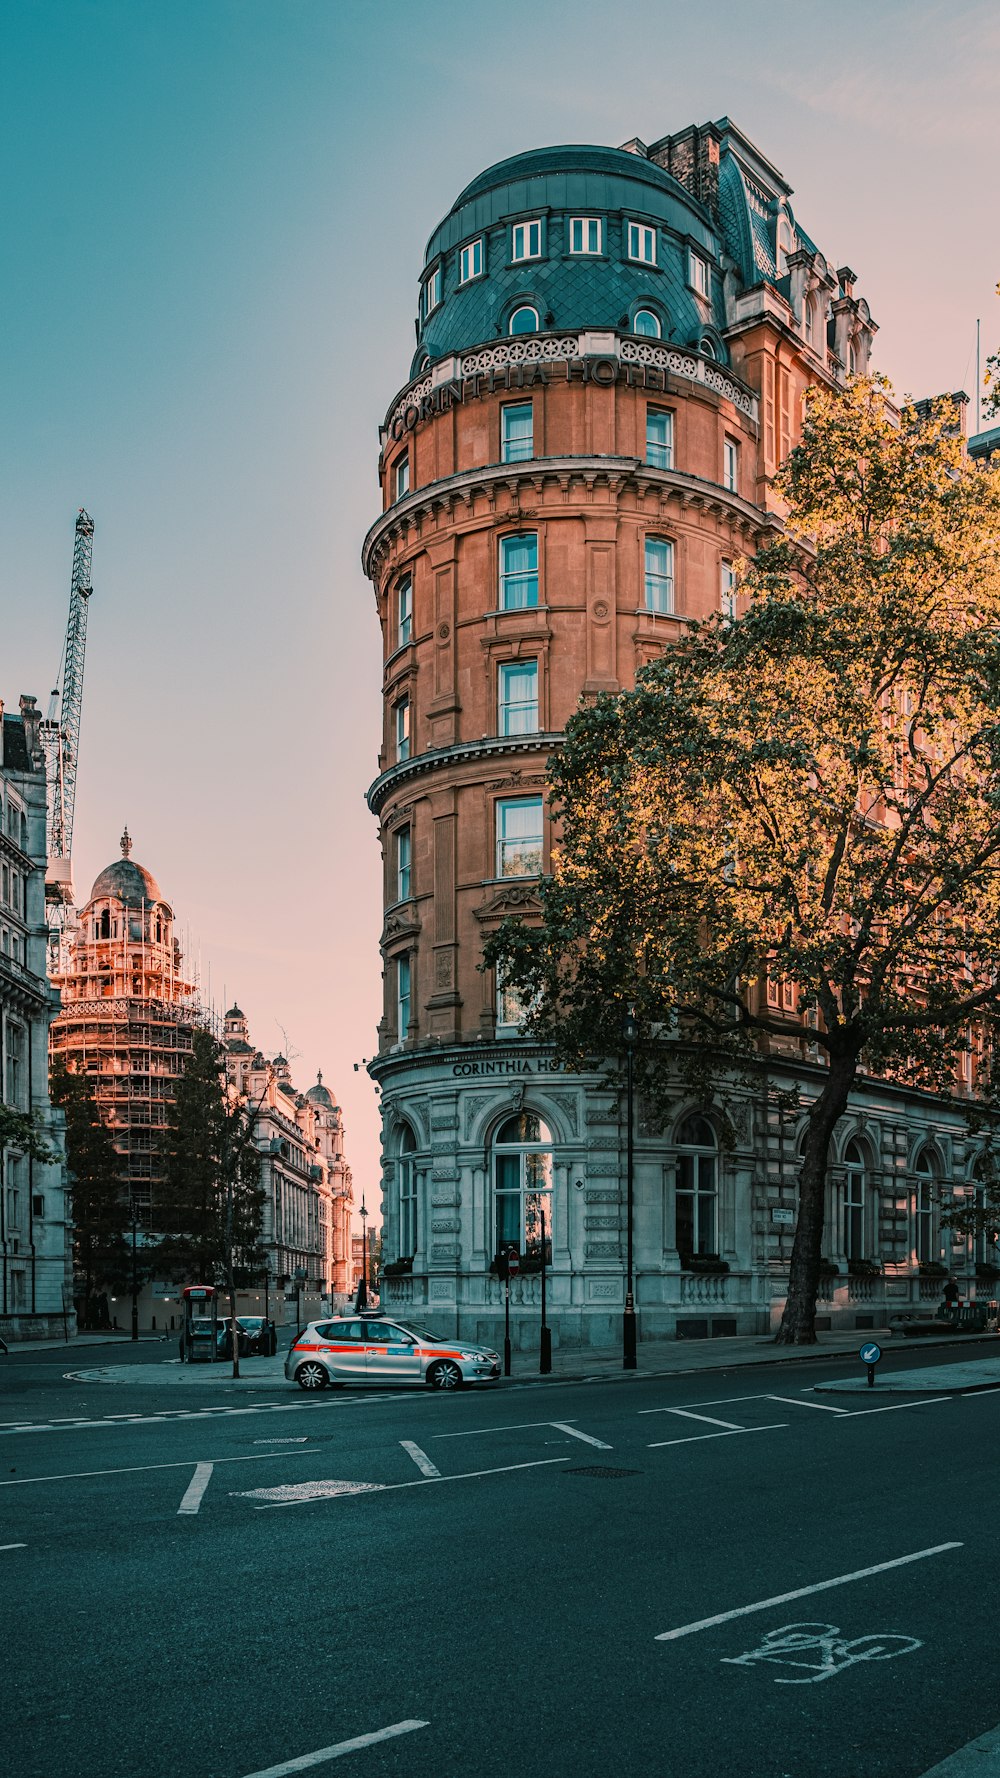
[{"x": 494, "y": 1148}]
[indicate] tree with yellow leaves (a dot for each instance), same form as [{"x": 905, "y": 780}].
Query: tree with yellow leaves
[{"x": 809, "y": 791}]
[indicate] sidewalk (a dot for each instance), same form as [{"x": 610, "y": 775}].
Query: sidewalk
[{"x": 660, "y": 1358}]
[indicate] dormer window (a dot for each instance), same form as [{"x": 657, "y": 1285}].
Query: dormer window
[
  {"x": 526, "y": 240},
  {"x": 698, "y": 275},
  {"x": 647, "y": 324},
  {"x": 641, "y": 242},
  {"x": 524, "y": 320},
  {"x": 431, "y": 292},
  {"x": 470, "y": 261},
  {"x": 585, "y": 234}
]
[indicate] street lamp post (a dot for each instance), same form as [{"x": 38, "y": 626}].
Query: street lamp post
[
  {"x": 363, "y": 1285},
  {"x": 135, "y": 1278},
  {"x": 630, "y": 1031},
  {"x": 545, "y": 1343}
]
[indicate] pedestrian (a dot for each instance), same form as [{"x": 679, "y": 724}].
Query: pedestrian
[{"x": 952, "y": 1299}]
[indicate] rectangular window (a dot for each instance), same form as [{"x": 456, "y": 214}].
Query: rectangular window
[
  {"x": 402, "y": 998},
  {"x": 404, "y": 612},
  {"x": 512, "y": 1006},
  {"x": 659, "y": 575},
  {"x": 432, "y": 290},
  {"x": 470, "y": 261},
  {"x": 517, "y": 442},
  {"x": 659, "y": 438},
  {"x": 642, "y": 243},
  {"x": 403, "y": 730},
  {"x": 727, "y": 589},
  {"x": 519, "y": 571},
  {"x": 407, "y": 1207},
  {"x": 14, "y": 1069},
  {"x": 517, "y": 698},
  {"x": 519, "y": 837},
  {"x": 37, "y": 1205},
  {"x": 698, "y": 273},
  {"x": 403, "y": 864},
  {"x": 585, "y": 234},
  {"x": 696, "y": 1205},
  {"x": 526, "y": 240},
  {"x": 730, "y": 465},
  {"x": 402, "y": 477}
]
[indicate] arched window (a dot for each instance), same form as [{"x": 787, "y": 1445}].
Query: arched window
[
  {"x": 406, "y": 1180},
  {"x": 697, "y": 1193},
  {"x": 786, "y": 245},
  {"x": 707, "y": 347},
  {"x": 645, "y": 322},
  {"x": 984, "y": 1174},
  {"x": 809, "y": 318},
  {"x": 523, "y": 320},
  {"x": 855, "y": 1193},
  {"x": 522, "y": 1184},
  {"x": 106, "y": 924},
  {"x": 927, "y": 1234}
]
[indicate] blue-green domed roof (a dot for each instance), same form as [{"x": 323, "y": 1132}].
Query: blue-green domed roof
[{"x": 570, "y": 290}]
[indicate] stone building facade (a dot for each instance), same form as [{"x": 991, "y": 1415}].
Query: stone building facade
[
  {"x": 612, "y": 349},
  {"x": 35, "y": 1273},
  {"x": 304, "y": 1174}
]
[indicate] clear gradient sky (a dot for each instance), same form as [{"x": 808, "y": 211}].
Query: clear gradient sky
[{"x": 214, "y": 220}]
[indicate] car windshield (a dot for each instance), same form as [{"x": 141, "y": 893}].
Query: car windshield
[{"x": 251, "y": 1321}]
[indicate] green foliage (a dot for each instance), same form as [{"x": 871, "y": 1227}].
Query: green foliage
[
  {"x": 211, "y": 1212},
  {"x": 807, "y": 792},
  {"x": 99, "y": 1196},
  {"x": 20, "y": 1130}
]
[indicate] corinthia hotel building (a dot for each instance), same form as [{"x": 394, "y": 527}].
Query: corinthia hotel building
[{"x": 612, "y": 347}]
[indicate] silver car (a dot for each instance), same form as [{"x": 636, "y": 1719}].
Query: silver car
[{"x": 361, "y": 1349}]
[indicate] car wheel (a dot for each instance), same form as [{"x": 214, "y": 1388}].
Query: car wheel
[
  {"x": 311, "y": 1376},
  {"x": 445, "y": 1375}
]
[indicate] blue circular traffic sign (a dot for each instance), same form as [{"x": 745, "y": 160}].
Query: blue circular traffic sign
[{"x": 870, "y": 1353}]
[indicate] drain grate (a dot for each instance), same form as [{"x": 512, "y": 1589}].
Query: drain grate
[{"x": 604, "y": 1470}]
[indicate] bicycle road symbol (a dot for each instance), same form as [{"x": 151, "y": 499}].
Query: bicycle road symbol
[{"x": 830, "y": 1653}]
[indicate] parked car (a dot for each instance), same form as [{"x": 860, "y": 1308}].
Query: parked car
[
  {"x": 262, "y": 1335},
  {"x": 361, "y": 1349}
]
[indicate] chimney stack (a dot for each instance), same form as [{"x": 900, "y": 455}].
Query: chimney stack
[{"x": 692, "y": 158}]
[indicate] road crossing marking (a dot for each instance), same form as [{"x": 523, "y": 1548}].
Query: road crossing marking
[
  {"x": 13, "y": 1546},
  {"x": 424, "y": 1482},
  {"x": 76, "y": 1475},
  {"x": 793, "y": 1401},
  {"x": 305, "y": 1760},
  {"x": 698, "y": 1438},
  {"x": 564, "y": 1426},
  {"x": 821, "y": 1586},
  {"x": 420, "y": 1458},
  {"x": 686, "y": 1414},
  {"x": 481, "y": 1431},
  {"x": 196, "y": 1488}
]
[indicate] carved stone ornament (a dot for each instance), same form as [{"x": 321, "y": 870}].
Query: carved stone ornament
[
  {"x": 512, "y": 899},
  {"x": 474, "y": 1104},
  {"x": 567, "y": 1104}
]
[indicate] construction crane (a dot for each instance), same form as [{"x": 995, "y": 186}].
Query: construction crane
[{"x": 60, "y": 736}]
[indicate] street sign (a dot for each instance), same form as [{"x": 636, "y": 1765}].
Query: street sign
[
  {"x": 870, "y": 1353},
  {"x": 513, "y": 1262},
  {"x": 785, "y": 1218}
]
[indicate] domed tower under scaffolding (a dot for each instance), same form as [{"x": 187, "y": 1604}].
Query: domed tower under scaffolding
[{"x": 127, "y": 1016}]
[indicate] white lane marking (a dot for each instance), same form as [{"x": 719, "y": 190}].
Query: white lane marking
[
  {"x": 420, "y": 1458},
  {"x": 196, "y": 1488},
  {"x": 686, "y": 1414},
  {"x": 481, "y": 1431},
  {"x": 75, "y": 1475},
  {"x": 305, "y": 1760},
  {"x": 857, "y": 1413},
  {"x": 295, "y": 1493},
  {"x": 13, "y": 1546},
  {"x": 793, "y": 1401},
  {"x": 698, "y": 1438},
  {"x": 435, "y": 1481},
  {"x": 721, "y": 1401},
  {"x": 564, "y": 1426},
  {"x": 282, "y": 1441},
  {"x": 821, "y": 1586}
]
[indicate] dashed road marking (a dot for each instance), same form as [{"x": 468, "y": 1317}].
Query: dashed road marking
[
  {"x": 13, "y": 1546},
  {"x": 574, "y": 1432},
  {"x": 75, "y": 1475},
  {"x": 699, "y": 1438},
  {"x": 196, "y": 1488},
  {"x": 420, "y": 1458},
  {"x": 708, "y": 1419}
]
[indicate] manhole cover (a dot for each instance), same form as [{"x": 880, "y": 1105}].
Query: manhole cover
[{"x": 604, "y": 1470}]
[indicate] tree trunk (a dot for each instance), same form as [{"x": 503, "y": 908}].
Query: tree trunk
[{"x": 798, "y": 1322}]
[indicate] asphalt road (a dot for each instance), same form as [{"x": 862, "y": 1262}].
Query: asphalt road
[{"x": 524, "y": 1572}]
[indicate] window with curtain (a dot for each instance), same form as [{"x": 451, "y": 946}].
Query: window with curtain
[{"x": 522, "y": 1185}]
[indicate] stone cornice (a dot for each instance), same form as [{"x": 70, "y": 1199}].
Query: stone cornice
[
  {"x": 491, "y": 747},
  {"x": 454, "y": 490}
]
